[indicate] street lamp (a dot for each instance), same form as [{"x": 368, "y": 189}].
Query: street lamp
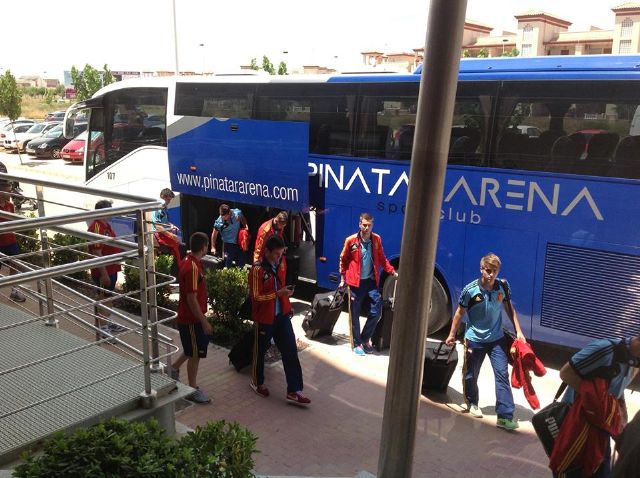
[
  {"x": 203, "y": 56},
  {"x": 504, "y": 42}
]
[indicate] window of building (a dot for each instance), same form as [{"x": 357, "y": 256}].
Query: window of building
[
  {"x": 627, "y": 27},
  {"x": 564, "y": 52},
  {"x": 625, "y": 46},
  {"x": 527, "y": 34},
  {"x": 526, "y": 49}
]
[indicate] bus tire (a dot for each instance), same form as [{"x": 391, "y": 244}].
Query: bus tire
[{"x": 439, "y": 317}]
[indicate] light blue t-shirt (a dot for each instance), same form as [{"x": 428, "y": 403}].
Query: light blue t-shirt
[
  {"x": 160, "y": 216},
  {"x": 592, "y": 359},
  {"x": 229, "y": 229},
  {"x": 366, "y": 265},
  {"x": 484, "y": 311}
]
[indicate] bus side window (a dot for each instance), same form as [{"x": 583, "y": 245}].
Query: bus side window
[{"x": 469, "y": 130}]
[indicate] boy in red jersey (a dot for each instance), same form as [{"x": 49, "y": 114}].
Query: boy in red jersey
[
  {"x": 8, "y": 242},
  {"x": 105, "y": 276},
  {"x": 193, "y": 325}
]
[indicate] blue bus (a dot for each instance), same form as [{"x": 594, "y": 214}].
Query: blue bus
[{"x": 543, "y": 171}]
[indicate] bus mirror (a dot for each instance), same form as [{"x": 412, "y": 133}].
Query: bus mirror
[{"x": 68, "y": 127}]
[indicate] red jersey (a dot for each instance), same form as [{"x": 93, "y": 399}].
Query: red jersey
[
  {"x": 191, "y": 280},
  {"x": 265, "y": 231},
  {"x": 104, "y": 229},
  {"x": 8, "y": 238}
]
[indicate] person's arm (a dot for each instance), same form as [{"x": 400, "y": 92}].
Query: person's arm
[
  {"x": 569, "y": 376},
  {"x": 243, "y": 220},
  {"x": 343, "y": 263},
  {"x": 455, "y": 323},
  {"x": 256, "y": 286},
  {"x": 386, "y": 265},
  {"x": 257, "y": 251},
  {"x": 513, "y": 316},
  {"x": 194, "y": 307},
  {"x": 105, "y": 281},
  {"x": 214, "y": 238}
]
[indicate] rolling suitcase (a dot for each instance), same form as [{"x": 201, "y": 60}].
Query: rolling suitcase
[
  {"x": 241, "y": 355},
  {"x": 381, "y": 338},
  {"x": 324, "y": 313},
  {"x": 440, "y": 361}
]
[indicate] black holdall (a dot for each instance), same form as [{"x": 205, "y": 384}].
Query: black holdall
[
  {"x": 547, "y": 422},
  {"x": 323, "y": 315}
]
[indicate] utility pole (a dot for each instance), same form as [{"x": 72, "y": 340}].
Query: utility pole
[
  {"x": 420, "y": 234},
  {"x": 175, "y": 37}
]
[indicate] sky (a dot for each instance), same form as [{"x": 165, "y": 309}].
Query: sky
[{"x": 45, "y": 37}]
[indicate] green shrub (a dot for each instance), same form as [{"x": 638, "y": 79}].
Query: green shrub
[
  {"x": 118, "y": 448},
  {"x": 29, "y": 241},
  {"x": 227, "y": 289},
  {"x": 164, "y": 263},
  {"x": 66, "y": 256}
]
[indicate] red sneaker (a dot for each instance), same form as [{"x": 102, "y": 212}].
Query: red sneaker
[
  {"x": 298, "y": 398},
  {"x": 259, "y": 389}
]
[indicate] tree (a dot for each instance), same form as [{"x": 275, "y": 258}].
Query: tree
[
  {"x": 466, "y": 53},
  {"x": 282, "y": 68},
  {"x": 483, "y": 53},
  {"x": 89, "y": 80},
  {"x": 10, "y": 96},
  {"x": 512, "y": 52},
  {"x": 254, "y": 64},
  {"x": 267, "y": 65}
]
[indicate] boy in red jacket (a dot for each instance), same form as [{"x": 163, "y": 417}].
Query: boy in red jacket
[
  {"x": 361, "y": 259},
  {"x": 271, "y": 312}
]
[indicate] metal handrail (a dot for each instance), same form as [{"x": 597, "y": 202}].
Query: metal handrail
[{"x": 70, "y": 308}]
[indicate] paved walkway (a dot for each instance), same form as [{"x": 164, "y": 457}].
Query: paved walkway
[{"x": 339, "y": 434}]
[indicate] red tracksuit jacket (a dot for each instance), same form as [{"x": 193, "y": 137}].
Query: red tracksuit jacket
[
  {"x": 265, "y": 231},
  {"x": 593, "y": 417},
  {"x": 262, "y": 289},
  {"x": 351, "y": 259},
  {"x": 524, "y": 362}
]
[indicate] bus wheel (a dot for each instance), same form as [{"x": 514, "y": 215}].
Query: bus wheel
[{"x": 439, "y": 317}]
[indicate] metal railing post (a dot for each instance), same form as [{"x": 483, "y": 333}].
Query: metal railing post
[
  {"x": 152, "y": 296},
  {"x": 148, "y": 396},
  {"x": 46, "y": 258}
]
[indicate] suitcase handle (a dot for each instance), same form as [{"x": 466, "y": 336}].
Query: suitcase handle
[
  {"x": 438, "y": 350},
  {"x": 339, "y": 291}
]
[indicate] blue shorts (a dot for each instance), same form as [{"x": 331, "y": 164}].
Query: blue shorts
[
  {"x": 11, "y": 249},
  {"x": 194, "y": 341}
]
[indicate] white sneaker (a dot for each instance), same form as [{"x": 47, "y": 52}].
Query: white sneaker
[
  {"x": 475, "y": 411},
  {"x": 16, "y": 295}
]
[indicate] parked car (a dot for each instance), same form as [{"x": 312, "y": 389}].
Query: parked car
[
  {"x": 20, "y": 139},
  {"x": 51, "y": 143},
  {"x": 8, "y": 138},
  {"x": 7, "y": 128},
  {"x": 36, "y": 131},
  {"x": 74, "y": 149},
  {"x": 55, "y": 116}
]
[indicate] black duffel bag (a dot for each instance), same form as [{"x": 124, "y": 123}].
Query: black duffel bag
[{"x": 547, "y": 422}]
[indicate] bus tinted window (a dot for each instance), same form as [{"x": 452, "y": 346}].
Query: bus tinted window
[
  {"x": 326, "y": 107},
  {"x": 469, "y": 129},
  {"x": 576, "y": 128},
  {"x": 214, "y": 100}
]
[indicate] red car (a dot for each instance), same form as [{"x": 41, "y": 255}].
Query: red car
[{"x": 74, "y": 149}]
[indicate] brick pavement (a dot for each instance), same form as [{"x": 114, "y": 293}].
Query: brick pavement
[{"x": 339, "y": 434}]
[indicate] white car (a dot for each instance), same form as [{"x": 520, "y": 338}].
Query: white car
[
  {"x": 8, "y": 134},
  {"x": 19, "y": 142}
]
